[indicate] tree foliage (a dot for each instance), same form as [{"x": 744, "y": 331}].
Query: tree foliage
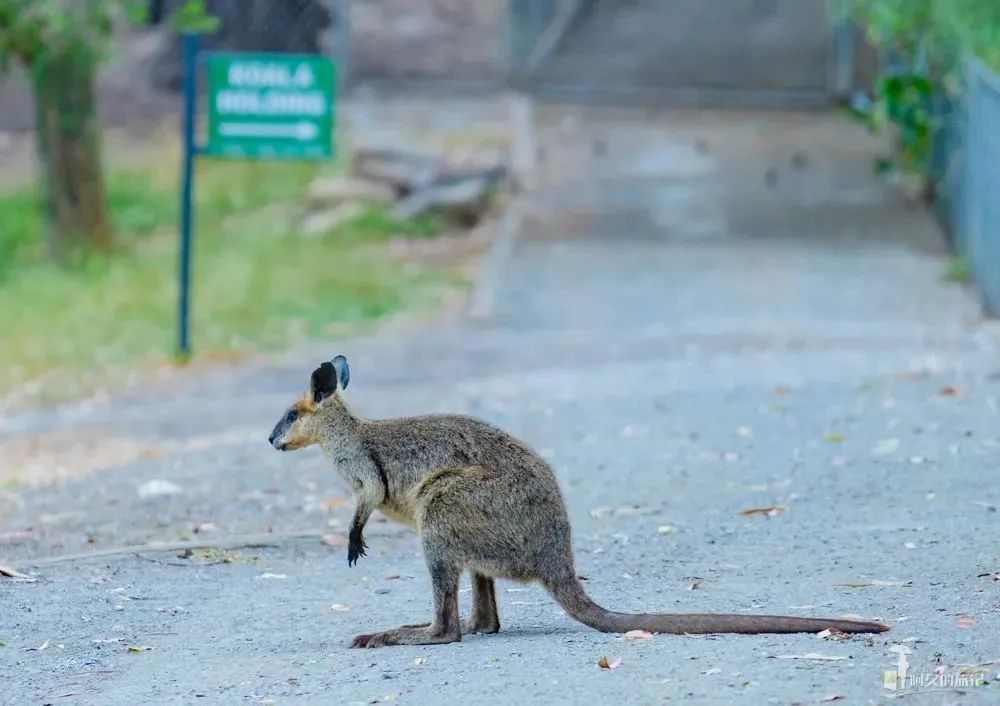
[
  {"x": 33, "y": 30},
  {"x": 923, "y": 43},
  {"x": 61, "y": 43}
]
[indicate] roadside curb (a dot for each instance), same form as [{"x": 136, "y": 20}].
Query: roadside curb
[
  {"x": 484, "y": 289},
  {"x": 522, "y": 118}
]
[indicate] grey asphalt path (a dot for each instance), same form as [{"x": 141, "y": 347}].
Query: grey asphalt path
[{"x": 685, "y": 338}]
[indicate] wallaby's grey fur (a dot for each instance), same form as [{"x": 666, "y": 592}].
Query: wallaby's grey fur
[{"x": 480, "y": 500}]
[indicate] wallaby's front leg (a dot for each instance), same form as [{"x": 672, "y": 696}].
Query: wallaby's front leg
[{"x": 355, "y": 540}]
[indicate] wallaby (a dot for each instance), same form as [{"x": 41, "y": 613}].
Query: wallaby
[{"x": 480, "y": 500}]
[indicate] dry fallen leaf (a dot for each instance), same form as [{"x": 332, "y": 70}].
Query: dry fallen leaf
[
  {"x": 876, "y": 582},
  {"x": 638, "y": 635},
  {"x": 885, "y": 447},
  {"x": 965, "y": 622},
  {"x": 833, "y": 634},
  {"x": 13, "y": 573},
  {"x": 713, "y": 670},
  {"x": 834, "y": 437},
  {"x": 333, "y": 502},
  {"x": 666, "y": 529},
  {"x": 340, "y": 607},
  {"x": 770, "y": 510},
  {"x": 139, "y": 648},
  {"x": 334, "y": 540},
  {"x": 613, "y": 663},
  {"x": 951, "y": 391},
  {"x": 156, "y": 488},
  {"x": 815, "y": 656},
  {"x": 832, "y": 697},
  {"x": 420, "y": 660},
  {"x": 268, "y": 575},
  {"x": 695, "y": 585},
  {"x": 782, "y": 390},
  {"x": 626, "y": 510}
]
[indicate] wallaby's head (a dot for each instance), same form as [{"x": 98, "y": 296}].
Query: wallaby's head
[{"x": 300, "y": 425}]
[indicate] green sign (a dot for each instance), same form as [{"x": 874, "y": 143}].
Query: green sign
[{"x": 270, "y": 105}]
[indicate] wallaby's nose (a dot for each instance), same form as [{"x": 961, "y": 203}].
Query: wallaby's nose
[{"x": 270, "y": 439}]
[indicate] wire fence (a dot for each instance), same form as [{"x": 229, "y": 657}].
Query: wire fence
[
  {"x": 440, "y": 41},
  {"x": 966, "y": 173},
  {"x": 292, "y": 26},
  {"x": 977, "y": 218}
]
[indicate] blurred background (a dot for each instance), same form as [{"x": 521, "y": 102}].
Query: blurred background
[{"x": 90, "y": 202}]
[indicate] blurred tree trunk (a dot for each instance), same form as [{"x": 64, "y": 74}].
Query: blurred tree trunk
[{"x": 70, "y": 155}]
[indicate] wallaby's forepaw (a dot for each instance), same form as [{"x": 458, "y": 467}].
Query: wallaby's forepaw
[{"x": 355, "y": 549}]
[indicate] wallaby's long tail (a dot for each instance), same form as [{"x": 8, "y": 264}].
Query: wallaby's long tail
[{"x": 578, "y": 604}]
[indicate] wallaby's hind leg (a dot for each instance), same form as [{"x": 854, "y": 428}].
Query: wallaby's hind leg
[
  {"x": 446, "y": 625},
  {"x": 484, "y": 616}
]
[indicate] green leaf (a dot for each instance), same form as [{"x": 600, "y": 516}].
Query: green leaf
[
  {"x": 193, "y": 18},
  {"x": 137, "y": 11}
]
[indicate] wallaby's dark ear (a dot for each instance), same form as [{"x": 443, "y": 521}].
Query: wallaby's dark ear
[
  {"x": 324, "y": 382},
  {"x": 343, "y": 371}
]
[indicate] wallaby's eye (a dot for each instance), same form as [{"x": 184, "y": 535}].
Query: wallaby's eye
[{"x": 291, "y": 416}]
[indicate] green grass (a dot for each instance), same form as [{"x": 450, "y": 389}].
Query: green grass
[
  {"x": 957, "y": 271},
  {"x": 258, "y": 284}
]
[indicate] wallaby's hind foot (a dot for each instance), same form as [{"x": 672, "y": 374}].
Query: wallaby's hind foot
[
  {"x": 406, "y": 636},
  {"x": 446, "y": 626}
]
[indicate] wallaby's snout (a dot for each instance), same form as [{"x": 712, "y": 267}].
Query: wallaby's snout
[
  {"x": 274, "y": 435},
  {"x": 279, "y": 437},
  {"x": 286, "y": 433}
]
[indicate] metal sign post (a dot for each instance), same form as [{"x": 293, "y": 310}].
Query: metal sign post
[
  {"x": 259, "y": 106},
  {"x": 190, "y": 88}
]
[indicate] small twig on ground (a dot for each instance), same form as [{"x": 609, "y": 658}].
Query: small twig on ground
[
  {"x": 154, "y": 560},
  {"x": 247, "y": 541}
]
